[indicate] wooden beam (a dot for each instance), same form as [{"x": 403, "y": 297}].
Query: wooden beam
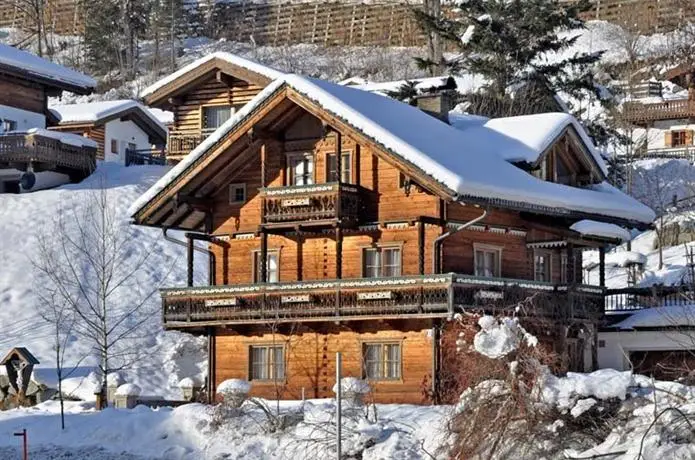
[
  {"x": 264, "y": 257},
  {"x": 189, "y": 259},
  {"x": 338, "y": 252},
  {"x": 602, "y": 266},
  {"x": 421, "y": 247}
]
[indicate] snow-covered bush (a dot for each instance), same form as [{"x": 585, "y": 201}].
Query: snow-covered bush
[
  {"x": 234, "y": 392},
  {"x": 498, "y": 338},
  {"x": 128, "y": 389},
  {"x": 352, "y": 390}
]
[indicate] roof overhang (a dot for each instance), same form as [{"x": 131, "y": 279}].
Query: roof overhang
[{"x": 53, "y": 87}]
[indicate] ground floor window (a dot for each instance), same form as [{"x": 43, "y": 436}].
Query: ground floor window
[
  {"x": 267, "y": 362},
  {"x": 382, "y": 361},
  {"x": 381, "y": 262}
]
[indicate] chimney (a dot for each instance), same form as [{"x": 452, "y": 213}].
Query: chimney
[{"x": 438, "y": 105}]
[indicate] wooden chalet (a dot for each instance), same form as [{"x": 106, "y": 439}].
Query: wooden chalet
[
  {"x": 203, "y": 95},
  {"x": 340, "y": 220},
  {"x": 124, "y": 130},
  {"x": 26, "y": 83}
]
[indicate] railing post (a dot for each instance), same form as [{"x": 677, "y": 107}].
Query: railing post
[{"x": 450, "y": 297}]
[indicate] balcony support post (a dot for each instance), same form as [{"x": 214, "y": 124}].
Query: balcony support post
[
  {"x": 338, "y": 252},
  {"x": 263, "y": 161},
  {"x": 602, "y": 266},
  {"x": 570, "y": 275},
  {"x": 421, "y": 247},
  {"x": 189, "y": 260}
]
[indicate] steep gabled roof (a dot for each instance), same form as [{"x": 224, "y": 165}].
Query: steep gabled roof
[
  {"x": 99, "y": 113},
  {"x": 31, "y": 67},
  {"x": 522, "y": 138},
  {"x": 227, "y": 62},
  {"x": 23, "y": 353},
  {"x": 422, "y": 143}
]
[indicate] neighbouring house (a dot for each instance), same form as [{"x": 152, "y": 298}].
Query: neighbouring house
[
  {"x": 31, "y": 157},
  {"x": 341, "y": 220},
  {"x": 203, "y": 95},
  {"x": 125, "y": 130}
]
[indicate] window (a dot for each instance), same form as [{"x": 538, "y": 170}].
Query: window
[
  {"x": 237, "y": 193},
  {"x": 382, "y": 361},
  {"x": 267, "y": 362},
  {"x": 382, "y": 262},
  {"x": 8, "y": 125},
  {"x": 563, "y": 267},
  {"x": 301, "y": 169},
  {"x": 214, "y": 116},
  {"x": 679, "y": 138},
  {"x": 345, "y": 168},
  {"x": 114, "y": 146},
  {"x": 272, "y": 267},
  {"x": 488, "y": 260},
  {"x": 541, "y": 266}
]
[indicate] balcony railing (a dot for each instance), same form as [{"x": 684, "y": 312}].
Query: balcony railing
[
  {"x": 316, "y": 202},
  {"x": 665, "y": 110},
  {"x": 156, "y": 156},
  {"x": 180, "y": 145},
  {"x": 46, "y": 153},
  {"x": 637, "y": 298},
  {"x": 427, "y": 296}
]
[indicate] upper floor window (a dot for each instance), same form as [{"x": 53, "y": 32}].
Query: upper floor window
[
  {"x": 267, "y": 362},
  {"x": 301, "y": 169},
  {"x": 237, "y": 193},
  {"x": 8, "y": 125},
  {"x": 345, "y": 168},
  {"x": 272, "y": 267},
  {"x": 564, "y": 267},
  {"x": 214, "y": 116},
  {"x": 488, "y": 260},
  {"x": 382, "y": 262},
  {"x": 541, "y": 265},
  {"x": 382, "y": 361}
]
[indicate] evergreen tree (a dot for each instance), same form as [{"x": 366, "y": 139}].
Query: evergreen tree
[{"x": 517, "y": 43}]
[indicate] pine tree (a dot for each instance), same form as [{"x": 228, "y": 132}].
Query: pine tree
[{"x": 517, "y": 43}]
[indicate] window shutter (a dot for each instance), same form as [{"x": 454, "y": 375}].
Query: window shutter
[
  {"x": 669, "y": 139},
  {"x": 688, "y": 137}
]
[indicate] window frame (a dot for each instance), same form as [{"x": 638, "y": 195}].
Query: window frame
[
  {"x": 487, "y": 248},
  {"x": 289, "y": 156},
  {"x": 232, "y": 188},
  {"x": 549, "y": 254},
  {"x": 8, "y": 125},
  {"x": 564, "y": 267},
  {"x": 383, "y": 362},
  {"x": 269, "y": 365},
  {"x": 114, "y": 142},
  {"x": 343, "y": 153},
  {"x": 203, "y": 107},
  {"x": 380, "y": 248},
  {"x": 677, "y": 134},
  {"x": 255, "y": 273}
]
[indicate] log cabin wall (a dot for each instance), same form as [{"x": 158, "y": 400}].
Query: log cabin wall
[
  {"x": 310, "y": 359},
  {"x": 22, "y": 95}
]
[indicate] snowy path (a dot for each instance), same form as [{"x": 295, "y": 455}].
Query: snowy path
[{"x": 64, "y": 453}]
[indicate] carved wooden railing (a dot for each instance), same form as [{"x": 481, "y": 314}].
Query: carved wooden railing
[
  {"x": 49, "y": 152},
  {"x": 425, "y": 296},
  {"x": 314, "y": 202},
  {"x": 179, "y": 145},
  {"x": 677, "y": 108}
]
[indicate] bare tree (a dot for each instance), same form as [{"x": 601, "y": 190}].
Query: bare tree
[
  {"x": 88, "y": 261},
  {"x": 33, "y": 14}
]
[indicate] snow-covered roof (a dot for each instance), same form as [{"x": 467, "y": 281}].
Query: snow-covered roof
[
  {"x": 61, "y": 76},
  {"x": 233, "y": 59},
  {"x": 520, "y": 138},
  {"x": 65, "y": 138},
  {"x": 464, "y": 84},
  {"x": 164, "y": 116},
  {"x": 602, "y": 229},
  {"x": 95, "y": 112},
  {"x": 670, "y": 316},
  {"x": 446, "y": 154}
]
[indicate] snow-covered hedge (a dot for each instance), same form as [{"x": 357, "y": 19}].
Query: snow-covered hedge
[{"x": 234, "y": 386}]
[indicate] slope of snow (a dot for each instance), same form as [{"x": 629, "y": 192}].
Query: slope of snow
[
  {"x": 457, "y": 161},
  {"x": 13, "y": 57},
  {"x": 171, "y": 356},
  {"x": 602, "y": 229},
  {"x": 670, "y": 316}
]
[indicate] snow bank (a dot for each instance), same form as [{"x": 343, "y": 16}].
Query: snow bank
[
  {"x": 13, "y": 57},
  {"x": 497, "y": 339},
  {"x": 602, "y": 229},
  {"x": 352, "y": 385},
  {"x": 234, "y": 386},
  {"x": 128, "y": 389}
]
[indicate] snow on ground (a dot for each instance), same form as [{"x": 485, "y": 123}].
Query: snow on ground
[{"x": 171, "y": 356}]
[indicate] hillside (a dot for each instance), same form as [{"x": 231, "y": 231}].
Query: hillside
[{"x": 170, "y": 356}]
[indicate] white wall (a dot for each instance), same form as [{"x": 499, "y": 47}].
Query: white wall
[
  {"x": 124, "y": 132},
  {"x": 656, "y": 135},
  {"x": 25, "y": 119},
  {"x": 618, "y": 345}
]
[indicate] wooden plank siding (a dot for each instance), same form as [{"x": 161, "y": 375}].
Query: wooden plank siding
[
  {"x": 310, "y": 359},
  {"x": 22, "y": 95},
  {"x": 97, "y": 133}
]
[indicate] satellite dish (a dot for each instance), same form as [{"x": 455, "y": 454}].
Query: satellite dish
[{"x": 28, "y": 180}]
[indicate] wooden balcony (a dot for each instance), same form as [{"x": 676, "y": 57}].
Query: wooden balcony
[
  {"x": 311, "y": 204},
  {"x": 180, "y": 145},
  {"x": 155, "y": 156},
  {"x": 427, "y": 296},
  {"x": 637, "y": 298},
  {"x": 637, "y": 112},
  {"x": 46, "y": 153}
]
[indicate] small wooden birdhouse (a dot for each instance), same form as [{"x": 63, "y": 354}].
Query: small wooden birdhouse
[{"x": 19, "y": 363}]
